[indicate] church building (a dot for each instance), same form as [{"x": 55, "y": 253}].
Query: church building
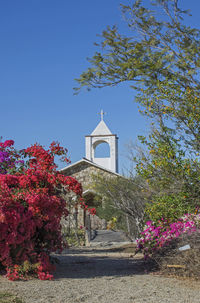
[{"x": 91, "y": 164}]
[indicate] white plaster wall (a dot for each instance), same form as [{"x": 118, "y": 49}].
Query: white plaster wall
[
  {"x": 91, "y": 142},
  {"x": 104, "y": 162},
  {"x": 88, "y": 148}
]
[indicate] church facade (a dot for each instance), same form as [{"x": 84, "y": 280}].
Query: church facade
[{"x": 84, "y": 169}]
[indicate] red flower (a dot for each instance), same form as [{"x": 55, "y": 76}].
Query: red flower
[
  {"x": 8, "y": 143},
  {"x": 31, "y": 208}
]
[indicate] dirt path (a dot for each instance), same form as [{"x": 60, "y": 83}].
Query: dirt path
[{"x": 102, "y": 276}]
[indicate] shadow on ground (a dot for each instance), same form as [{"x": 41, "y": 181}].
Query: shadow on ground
[
  {"x": 83, "y": 267},
  {"x": 103, "y": 247}
]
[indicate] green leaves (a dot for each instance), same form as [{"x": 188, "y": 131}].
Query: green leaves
[
  {"x": 173, "y": 177},
  {"x": 169, "y": 207},
  {"x": 157, "y": 53},
  {"x": 160, "y": 57}
]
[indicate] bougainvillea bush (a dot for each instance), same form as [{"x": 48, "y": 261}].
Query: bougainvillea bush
[
  {"x": 154, "y": 237},
  {"x": 31, "y": 207}
]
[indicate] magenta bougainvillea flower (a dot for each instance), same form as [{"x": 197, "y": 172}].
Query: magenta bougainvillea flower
[{"x": 154, "y": 237}]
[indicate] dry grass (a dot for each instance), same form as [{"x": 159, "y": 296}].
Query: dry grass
[
  {"x": 186, "y": 263},
  {"x": 9, "y": 298}
]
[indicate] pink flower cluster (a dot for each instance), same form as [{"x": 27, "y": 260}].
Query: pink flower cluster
[
  {"x": 154, "y": 237},
  {"x": 8, "y": 156}
]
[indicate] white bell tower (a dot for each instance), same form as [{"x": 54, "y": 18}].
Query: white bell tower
[{"x": 100, "y": 135}]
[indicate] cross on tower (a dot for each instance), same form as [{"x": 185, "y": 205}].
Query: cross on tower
[{"x": 102, "y": 113}]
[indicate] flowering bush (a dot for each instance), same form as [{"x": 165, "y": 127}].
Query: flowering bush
[
  {"x": 91, "y": 211},
  {"x": 154, "y": 237},
  {"x": 31, "y": 207},
  {"x": 9, "y": 157}
]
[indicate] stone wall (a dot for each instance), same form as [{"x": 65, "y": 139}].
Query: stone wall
[{"x": 83, "y": 173}]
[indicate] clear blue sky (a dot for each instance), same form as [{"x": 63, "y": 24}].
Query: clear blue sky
[{"x": 44, "y": 46}]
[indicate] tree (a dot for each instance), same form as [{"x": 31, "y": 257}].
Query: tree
[
  {"x": 123, "y": 198},
  {"x": 161, "y": 60},
  {"x": 172, "y": 177}
]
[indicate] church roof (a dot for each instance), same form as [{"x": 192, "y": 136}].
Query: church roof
[
  {"x": 84, "y": 160},
  {"x": 101, "y": 129}
]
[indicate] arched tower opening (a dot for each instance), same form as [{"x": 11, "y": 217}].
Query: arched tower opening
[{"x": 101, "y": 149}]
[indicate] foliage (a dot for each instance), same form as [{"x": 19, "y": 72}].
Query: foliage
[
  {"x": 121, "y": 198},
  {"x": 76, "y": 237},
  {"x": 172, "y": 177},
  {"x": 31, "y": 207},
  {"x": 154, "y": 237},
  {"x": 169, "y": 206},
  {"x": 106, "y": 210},
  {"x": 9, "y": 157},
  {"x": 160, "y": 58}
]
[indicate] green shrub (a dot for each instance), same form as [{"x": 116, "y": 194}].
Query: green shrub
[
  {"x": 76, "y": 237},
  {"x": 168, "y": 207}
]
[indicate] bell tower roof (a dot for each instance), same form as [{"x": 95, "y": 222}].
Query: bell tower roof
[{"x": 101, "y": 129}]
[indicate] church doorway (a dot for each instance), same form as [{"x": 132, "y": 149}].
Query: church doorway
[{"x": 93, "y": 222}]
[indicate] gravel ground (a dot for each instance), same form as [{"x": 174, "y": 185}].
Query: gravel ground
[{"x": 101, "y": 276}]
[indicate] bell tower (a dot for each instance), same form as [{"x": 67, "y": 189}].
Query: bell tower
[{"x": 102, "y": 135}]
